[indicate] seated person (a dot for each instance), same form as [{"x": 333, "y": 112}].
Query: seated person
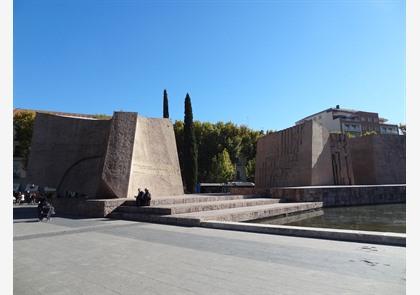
[
  {"x": 139, "y": 198},
  {"x": 146, "y": 197}
]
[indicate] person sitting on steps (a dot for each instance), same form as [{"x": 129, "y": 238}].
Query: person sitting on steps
[
  {"x": 139, "y": 198},
  {"x": 146, "y": 197}
]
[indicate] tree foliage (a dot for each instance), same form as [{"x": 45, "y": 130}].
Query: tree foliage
[
  {"x": 23, "y": 123},
  {"x": 190, "y": 168},
  {"x": 212, "y": 139},
  {"x": 165, "y": 104},
  {"x": 367, "y": 133},
  {"x": 222, "y": 169}
]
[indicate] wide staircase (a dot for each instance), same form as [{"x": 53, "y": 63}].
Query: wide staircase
[{"x": 190, "y": 210}]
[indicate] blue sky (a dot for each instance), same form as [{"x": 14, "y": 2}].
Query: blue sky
[{"x": 265, "y": 64}]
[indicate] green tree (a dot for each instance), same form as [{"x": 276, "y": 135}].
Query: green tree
[
  {"x": 102, "y": 116},
  {"x": 23, "y": 123},
  {"x": 222, "y": 169},
  {"x": 367, "y": 133},
  {"x": 212, "y": 138},
  {"x": 250, "y": 170},
  {"x": 165, "y": 104},
  {"x": 190, "y": 153}
]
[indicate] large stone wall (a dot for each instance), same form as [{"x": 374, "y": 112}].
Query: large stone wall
[
  {"x": 308, "y": 155},
  {"x": 155, "y": 159},
  {"x": 299, "y": 155},
  {"x": 68, "y": 152},
  {"x": 284, "y": 157},
  {"x": 341, "y": 159},
  {"x": 342, "y": 195},
  {"x": 378, "y": 159},
  {"x": 117, "y": 167},
  {"x": 105, "y": 158}
]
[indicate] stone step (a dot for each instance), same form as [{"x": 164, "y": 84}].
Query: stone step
[
  {"x": 165, "y": 219},
  {"x": 144, "y": 210},
  {"x": 196, "y": 207},
  {"x": 191, "y": 198},
  {"x": 232, "y": 214},
  {"x": 251, "y": 213}
]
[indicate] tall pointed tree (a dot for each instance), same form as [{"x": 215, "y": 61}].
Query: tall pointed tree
[
  {"x": 190, "y": 152},
  {"x": 165, "y": 104}
]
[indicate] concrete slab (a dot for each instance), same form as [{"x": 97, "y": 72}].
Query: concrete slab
[
  {"x": 140, "y": 258},
  {"x": 384, "y": 238},
  {"x": 197, "y": 206},
  {"x": 251, "y": 213}
]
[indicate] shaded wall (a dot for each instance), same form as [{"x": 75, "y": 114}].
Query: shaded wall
[
  {"x": 379, "y": 159},
  {"x": 69, "y": 151},
  {"x": 343, "y": 195},
  {"x": 286, "y": 158},
  {"x": 341, "y": 159}
]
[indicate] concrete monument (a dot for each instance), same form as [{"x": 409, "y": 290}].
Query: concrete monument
[
  {"x": 308, "y": 155},
  {"x": 109, "y": 158}
]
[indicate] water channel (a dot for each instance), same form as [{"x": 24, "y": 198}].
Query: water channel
[{"x": 384, "y": 218}]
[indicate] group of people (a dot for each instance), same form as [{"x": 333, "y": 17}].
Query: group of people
[
  {"x": 26, "y": 197},
  {"x": 36, "y": 195},
  {"x": 143, "y": 198}
]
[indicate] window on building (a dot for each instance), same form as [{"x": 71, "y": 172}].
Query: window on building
[
  {"x": 363, "y": 119},
  {"x": 369, "y": 119}
]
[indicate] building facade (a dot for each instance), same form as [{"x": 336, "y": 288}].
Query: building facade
[{"x": 353, "y": 122}]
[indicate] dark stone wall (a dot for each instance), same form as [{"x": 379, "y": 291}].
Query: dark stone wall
[
  {"x": 115, "y": 177},
  {"x": 379, "y": 159},
  {"x": 85, "y": 208},
  {"x": 67, "y": 152},
  {"x": 343, "y": 195},
  {"x": 307, "y": 155},
  {"x": 341, "y": 159},
  {"x": 284, "y": 158}
]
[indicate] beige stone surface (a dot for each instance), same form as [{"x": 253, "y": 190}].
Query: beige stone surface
[{"x": 155, "y": 159}]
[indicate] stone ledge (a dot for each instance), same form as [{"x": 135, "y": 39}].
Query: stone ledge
[{"x": 383, "y": 238}]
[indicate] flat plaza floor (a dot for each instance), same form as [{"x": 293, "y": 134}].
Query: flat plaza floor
[{"x": 102, "y": 256}]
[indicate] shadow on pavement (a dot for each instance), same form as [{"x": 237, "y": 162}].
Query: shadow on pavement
[{"x": 30, "y": 212}]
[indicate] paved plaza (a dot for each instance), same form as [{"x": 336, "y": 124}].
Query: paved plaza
[{"x": 103, "y": 256}]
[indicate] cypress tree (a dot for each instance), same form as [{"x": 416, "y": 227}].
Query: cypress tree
[
  {"x": 190, "y": 149},
  {"x": 165, "y": 104}
]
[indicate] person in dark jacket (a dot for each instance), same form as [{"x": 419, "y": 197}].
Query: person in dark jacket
[
  {"x": 146, "y": 197},
  {"x": 45, "y": 209},
  {"x": 139, "y": 198}
]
